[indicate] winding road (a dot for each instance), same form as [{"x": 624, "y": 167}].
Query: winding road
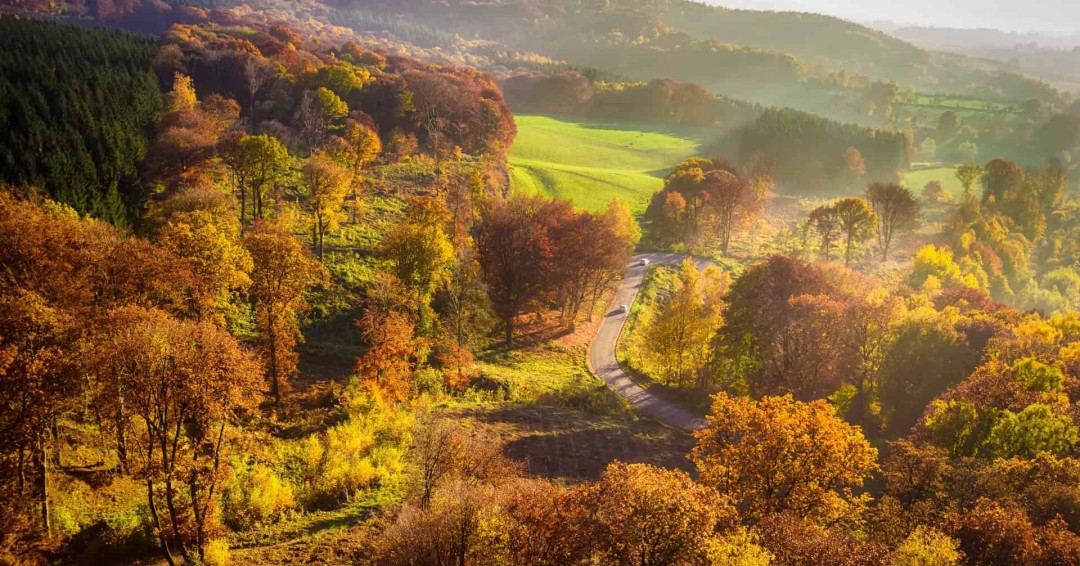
[{"x": 605, "y": 364}]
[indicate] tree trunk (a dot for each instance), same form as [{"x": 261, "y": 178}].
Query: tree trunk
[
  {"x": 121, "y": 435},
  {"x": 275, "y": 387},
  {"x": 847, "y": 252},
  {"x": 156, "y": 520},
  {"x": 243, "y": 206},
  {"x": 510, "y": 331},
  {"x": 43, "y": 478}
]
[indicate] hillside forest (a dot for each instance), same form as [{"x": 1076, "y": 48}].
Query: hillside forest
[{"x": 304, "y": 282}]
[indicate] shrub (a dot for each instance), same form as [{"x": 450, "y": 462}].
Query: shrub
[
  {"x": 255, "y": 496},
  {"x": 217, "y": 553}
]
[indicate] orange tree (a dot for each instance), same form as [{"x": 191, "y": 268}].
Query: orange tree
[{"x": 782, "y": 455}]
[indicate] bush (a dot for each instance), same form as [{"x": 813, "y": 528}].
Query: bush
[
  {"x": 217, "y": 553},
  {"x": 361, "y": 453},
  {"x": 255, "y": 496}
]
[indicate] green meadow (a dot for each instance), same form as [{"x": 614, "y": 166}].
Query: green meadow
[
  {"x": 588, "y": 162},
  {"x": 918, "y": 178}
]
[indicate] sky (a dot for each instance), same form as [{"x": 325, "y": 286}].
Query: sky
[{"x": 1058, "y": 17}]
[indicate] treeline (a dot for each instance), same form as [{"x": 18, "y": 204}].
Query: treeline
[
  {"x": 808, "y": 153},
  {"x": 76, "y": 108},
  {"x": 292, "y": 90},
  {"x": 659, "y": 101}
]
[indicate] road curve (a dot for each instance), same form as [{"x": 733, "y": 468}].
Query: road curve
[{"x": 605, "y": 364}]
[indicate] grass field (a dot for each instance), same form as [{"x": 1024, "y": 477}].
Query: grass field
[
  {"x": 588, "y": 162},
  {"x": 917, "y": 179}
]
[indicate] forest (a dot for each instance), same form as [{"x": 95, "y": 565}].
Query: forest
[{"x": 271, "y": 293}]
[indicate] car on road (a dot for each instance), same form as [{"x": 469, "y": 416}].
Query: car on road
[
  {"x": 644, "y": 262},
  {"x": 623, "y": 309}
]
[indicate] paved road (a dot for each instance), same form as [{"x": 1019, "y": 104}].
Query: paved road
[{"x": 602, "y": 357}]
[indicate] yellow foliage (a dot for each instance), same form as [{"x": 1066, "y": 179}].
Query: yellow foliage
[{"x": 216, "y": 553}]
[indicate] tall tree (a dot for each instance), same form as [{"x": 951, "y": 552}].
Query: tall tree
[
  {"x": 358, "y": 146},
  {"x": 677, "y": 340},
  {"x": 857, "y": 223},
  {"x": 967, "y": 174},
  {"x": 282, "y": 272},
  {"x": 516, "y": 254},
  {"x": 731, "y": 202},
  {"x": 187, "y": 381},
  {"x": 257, "y": 163},
  {"x": 896, "y": 209},
  {"x": 825, "y": 222},
  {"x": 420, "y": 251},
  {"x": 215, "y": 265},
  {"x": 325, "y": 185}
]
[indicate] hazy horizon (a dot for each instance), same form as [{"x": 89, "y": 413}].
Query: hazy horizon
[{"x": 1057, "y": 17}]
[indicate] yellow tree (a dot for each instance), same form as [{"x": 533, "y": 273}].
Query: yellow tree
[
  {"x": 420, "y": 252},
  {"x": 677, "y": 340},
  {"x": 782, "y": 455},
  {"x": 282, "y": 272},
  {"x": 619, "y": 217},
  {"x": 325, "y": 185},
  {"x": 358, "y": 146},
  {"x": 215, "y": 265},
  {"x": 857, "y": 223}
]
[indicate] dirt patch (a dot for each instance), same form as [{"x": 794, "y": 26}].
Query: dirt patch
[{"x": 563, "y": 444}]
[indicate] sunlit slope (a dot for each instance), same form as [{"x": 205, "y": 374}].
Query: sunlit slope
[{"x": 588, "y": 162}]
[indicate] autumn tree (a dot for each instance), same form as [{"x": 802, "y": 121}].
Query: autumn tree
[
  {"x": 757, "y": 317},
  {"x": 420, "y": 252},
  {"x": 39, "y": 381},
  {"x": 591, "y": 254},
  {"x": 781, "y": 455},
  {"x": 319, "y": 111},
  {"x": 626, "y": 228},
  {"x": 676, "y": 340},
  {"x": 856, "y": 222},
  {"x": 357, "y": 147},
  {"x": 934, "y": 192},
  {"x": 282, "y": 272},
  {"x": 257, "y": 164},
  {"x": 896, "y": 209},
  {"x": 188, "y": 135},
  {"x": 731, "y": 202},
  {"x": 825, "y": 222},
  {"x": 515, "y": 253},
  {"x": 640, "y": 514},
  {"x": 393, "y": 351},
  {"x": 325, "y": 185},
  {"x": 187, "y": 381},
  {"x": 463, "y": 302},
  {"x": 215, "y": 264}
]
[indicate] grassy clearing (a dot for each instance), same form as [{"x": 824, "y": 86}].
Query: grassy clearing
[
  {"x": 588, "y": 162},
  {"x": 917, "y": 179}
]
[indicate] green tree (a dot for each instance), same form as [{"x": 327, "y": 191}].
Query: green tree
[
  {"x": 258, "y": 163},
  {"x": 967, "y": 174}
]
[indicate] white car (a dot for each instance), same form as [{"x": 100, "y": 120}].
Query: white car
[
  {"x": 623, "y": 309},
  {"x": 644, "y": 262}
]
